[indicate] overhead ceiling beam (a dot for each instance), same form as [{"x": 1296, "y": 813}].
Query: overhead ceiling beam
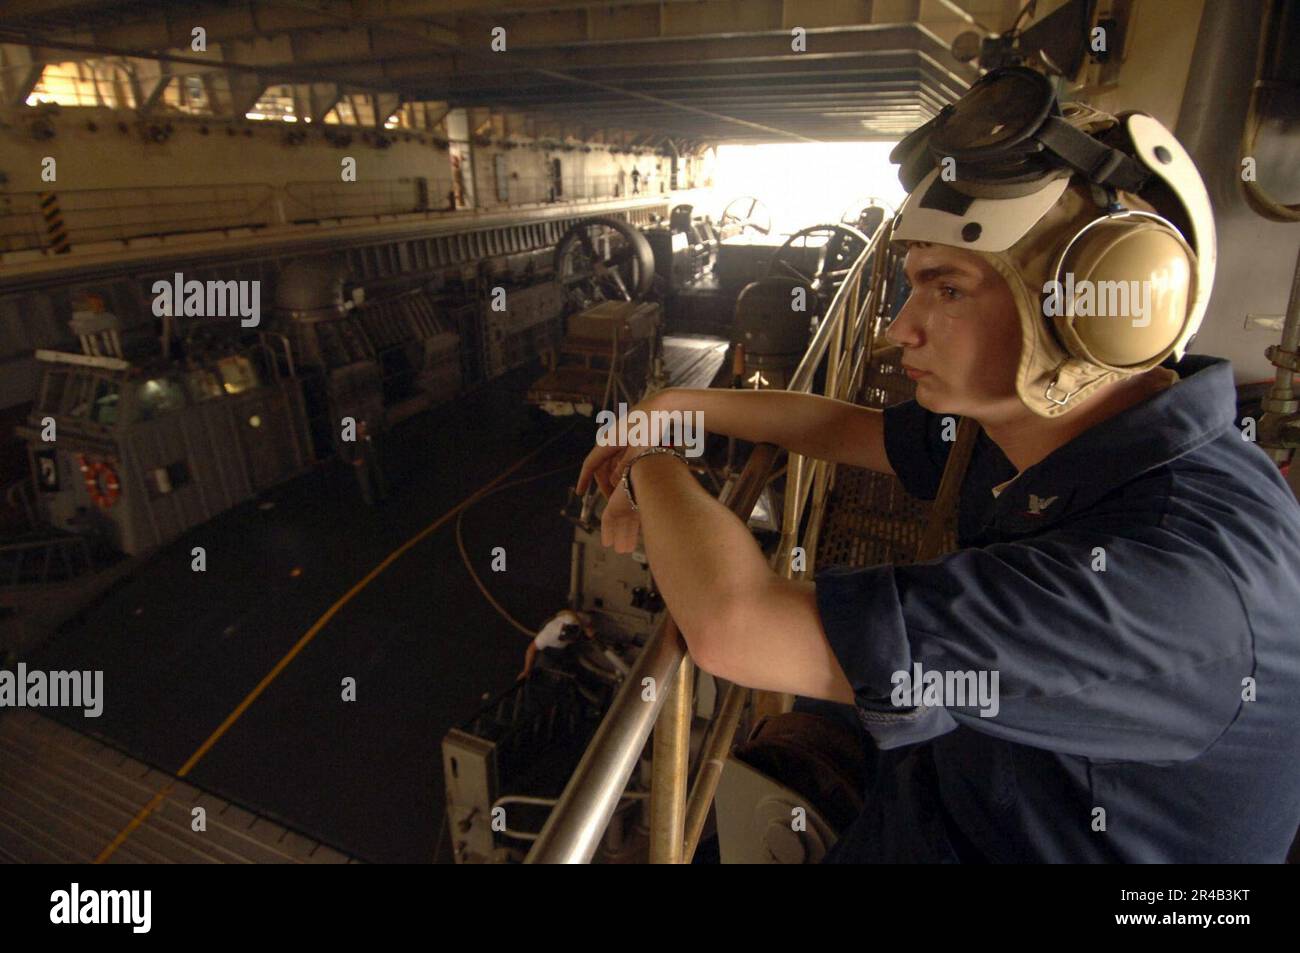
[
  {"x": 261, "y": 21},
  {"x": 276, "y": 74},
  {"x": 546, "y": 24},
  {"x": 321, "y": 98},
  {"x": 965, "y": 16},
  {"x": 671, "y": 82},
  {"x": 18, "y": 9},
  {"x": 395, "y": 51},
  {"x": 245, "y": 90},
  {"x": 385, "y": 104},
  {"x": 370, "y": 44},
  {"x": 397, "y": 44},
  {"x": 764, "y": 112},
  {"x": 690, "y": 76},
  {"x": 715, "y": 94},
  {"x": 671, "y": 125},
  {"x": 22, "y": 69},
  {"x": 306, "y": 15},
  {"x": 25, "y": 84},
  {"x": 153, "y": 93},
  {"x": 800, "y": 122}
]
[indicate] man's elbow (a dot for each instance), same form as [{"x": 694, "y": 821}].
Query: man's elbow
[
  {"x": 711, "y": 639},
  {"x": 716, "y": 641}
]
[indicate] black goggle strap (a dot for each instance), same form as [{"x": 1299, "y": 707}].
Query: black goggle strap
[
  {"x": 1098, "y": 162},
  {"x": 1102, "y": 164}
]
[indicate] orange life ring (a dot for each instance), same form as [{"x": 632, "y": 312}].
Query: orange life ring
[{"x": 101, "y": 481}]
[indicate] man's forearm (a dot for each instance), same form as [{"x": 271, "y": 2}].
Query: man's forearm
[
  {"x": 741, "y": 621},
  {"x": 701, "y": 554},
  {"x": 807, "y": 424}
]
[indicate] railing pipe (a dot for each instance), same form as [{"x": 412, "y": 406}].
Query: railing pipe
[
  {"x": 670, "y": 770},
  {"x": 713, "y": 758},
  {"x": 573, "y": 831}
]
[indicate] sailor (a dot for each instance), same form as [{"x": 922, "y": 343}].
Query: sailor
[
  {"x": 363, "y": 455},
  {"x": 556, "y": 639},
  {"x": 1128, "y": 565}
]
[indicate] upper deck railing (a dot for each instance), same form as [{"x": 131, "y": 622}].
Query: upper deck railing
[
  {"x": 843, "y": 344},
  {"x": 52, "y": 222}
]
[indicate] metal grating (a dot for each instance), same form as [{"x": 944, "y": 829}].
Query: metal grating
[
  {"x": 693, "y": 360},
  {"x": 870, "y": 519},
  {"x": 885, "y": 382}
]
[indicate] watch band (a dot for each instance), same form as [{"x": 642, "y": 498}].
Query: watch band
[{"x": 627, "y": 470}]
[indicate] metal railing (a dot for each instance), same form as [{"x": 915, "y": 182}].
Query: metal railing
[
  {"x": 44, "y": 559},
  {"x": 94, "y": 216},
  {"x": 314, "y": 201},
  {"x": 527, "y": 190},
  {"x": 90, "y": 216},
  {"x": 844, "y": 343}
]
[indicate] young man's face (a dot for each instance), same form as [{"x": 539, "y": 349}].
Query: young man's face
[{"x": 960, "y": 334}]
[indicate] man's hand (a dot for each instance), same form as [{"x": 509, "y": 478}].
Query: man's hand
[
  {"x": 619, "y": 523},
  {"x": 603, "y": 465}
]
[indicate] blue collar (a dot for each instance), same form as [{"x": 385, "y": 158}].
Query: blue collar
[{"x": 1193, "y": 411}]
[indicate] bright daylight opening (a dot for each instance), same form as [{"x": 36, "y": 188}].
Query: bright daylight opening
[{"x": 809, "y": 183}]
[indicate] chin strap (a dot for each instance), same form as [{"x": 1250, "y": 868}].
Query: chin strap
[{"x": 1063, "y": 394}]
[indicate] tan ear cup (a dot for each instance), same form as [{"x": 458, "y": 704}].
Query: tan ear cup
[{"x": 1126, "y": 288}]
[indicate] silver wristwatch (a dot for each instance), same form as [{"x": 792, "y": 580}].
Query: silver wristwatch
[{"x": 627, "y": 470}]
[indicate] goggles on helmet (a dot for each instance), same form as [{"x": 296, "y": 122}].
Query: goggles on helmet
[{"x": 1008, "y": 135}]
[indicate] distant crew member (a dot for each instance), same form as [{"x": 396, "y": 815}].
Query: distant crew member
[
  {"x": 363, "y": 454},
  {"x": 458, "y": 182},
  {"x": 556, "y": 639}
]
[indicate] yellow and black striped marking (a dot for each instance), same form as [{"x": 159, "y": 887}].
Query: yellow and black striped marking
[{"x": 55, "y": 231}]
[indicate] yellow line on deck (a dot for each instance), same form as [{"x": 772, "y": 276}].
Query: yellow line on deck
[{"x": 302, "y": 643}]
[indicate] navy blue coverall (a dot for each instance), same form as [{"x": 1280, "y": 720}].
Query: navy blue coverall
[{"x": 1138, "y": 593}]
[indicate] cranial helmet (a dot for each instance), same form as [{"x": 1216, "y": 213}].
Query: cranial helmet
[{"x": 1100, "y": 225}]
